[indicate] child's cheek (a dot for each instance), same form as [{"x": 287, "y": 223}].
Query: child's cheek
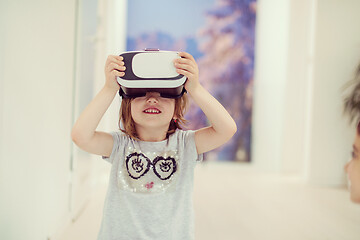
[{"x": 355, "y": 171}]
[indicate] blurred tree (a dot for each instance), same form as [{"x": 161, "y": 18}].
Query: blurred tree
[{"x": 227, "y": 69}]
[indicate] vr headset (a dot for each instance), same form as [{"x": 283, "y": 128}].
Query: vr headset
[{"x": 151, "y": 71}]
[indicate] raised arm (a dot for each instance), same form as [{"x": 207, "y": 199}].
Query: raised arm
[
  {"x": 84, "y": 132},
  {"x": 223, "y": 126}
]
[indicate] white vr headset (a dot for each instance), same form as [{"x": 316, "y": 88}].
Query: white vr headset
[{"x": 151, "y": 71}]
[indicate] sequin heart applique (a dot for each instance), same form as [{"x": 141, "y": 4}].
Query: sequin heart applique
[
  {"x": 137, "y": 165},
  {"x": 164, "y": 168},
  {"x": 149, "y": 185}
]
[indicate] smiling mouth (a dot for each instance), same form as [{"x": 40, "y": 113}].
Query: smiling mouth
[{"x": 152, "y": 111}]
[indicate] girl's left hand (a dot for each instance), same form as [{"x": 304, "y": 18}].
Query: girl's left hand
[{"x": 186, "y": 65}]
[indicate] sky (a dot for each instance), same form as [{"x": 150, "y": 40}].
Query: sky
[{"x": 179, "y": 18}]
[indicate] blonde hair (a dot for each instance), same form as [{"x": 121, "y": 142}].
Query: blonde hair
[{"x": 128, "y": 123}]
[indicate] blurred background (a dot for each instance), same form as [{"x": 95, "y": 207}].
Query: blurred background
[
  {"x": 221, "y": 37},
  {"x": 279, "y": 67}
]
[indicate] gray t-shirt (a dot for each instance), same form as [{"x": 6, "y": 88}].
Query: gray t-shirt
[{"x": 150, "y": 189}]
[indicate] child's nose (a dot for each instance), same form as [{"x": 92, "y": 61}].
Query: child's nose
[
  {"x": 152, "y": 98},
  {"x": 346, "y": 167}
]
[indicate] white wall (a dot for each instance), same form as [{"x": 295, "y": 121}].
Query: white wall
[
  {"x": 336, "y": 53},
  {"x": 83, "y": 164},
  {"x": 115, "y": 32},
  {"x": 271, "y": 53},
  {"x": 37, "y": 50},
  {"x": 42, "y": 68},
  {"x": 296, "y": 97},
  {"x": 305, "y": 52}
]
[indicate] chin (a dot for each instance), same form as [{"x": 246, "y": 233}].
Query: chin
[{"x": 155, "y": 123}]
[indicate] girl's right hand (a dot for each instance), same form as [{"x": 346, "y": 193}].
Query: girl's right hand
[{"x": 114, "y": 67}]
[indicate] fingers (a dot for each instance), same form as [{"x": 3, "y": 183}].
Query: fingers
[
  {"x": 115, "y": 59},
  {"x": 117, "y": 73},
  {"x": 185, "y": 64},
  {"x": 187, "y": 74},
  {"x": 184, "y": 61},
  {"x": 186, "y": 55},
  {"x": 115, "y": 65}
]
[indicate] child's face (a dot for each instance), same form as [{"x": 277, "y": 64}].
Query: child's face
[
  {"x": 152, "y": 111},
  {"x": 353, "y": 170}
]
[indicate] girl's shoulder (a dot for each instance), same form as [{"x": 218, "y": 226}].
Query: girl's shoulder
[
  {"x": 120, "y": 138},
  {"x": 119, "y": 134},
  {"x": 186, "y": 136},
  {"x": 180, "y": 132},
  {"x": 186, "y": 142}
]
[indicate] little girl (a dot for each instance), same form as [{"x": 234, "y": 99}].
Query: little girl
[{"x": 151, "y": 179}]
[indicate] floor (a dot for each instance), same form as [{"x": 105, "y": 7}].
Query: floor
[{"x": 232, "y": 201}]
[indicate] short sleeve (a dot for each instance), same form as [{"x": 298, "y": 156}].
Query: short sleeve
[
  {"x": 119, "y": 141},
  {"x": 190, "y": 146}
]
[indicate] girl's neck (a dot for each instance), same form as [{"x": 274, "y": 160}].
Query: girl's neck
[{"x": 151, "y": 135}]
